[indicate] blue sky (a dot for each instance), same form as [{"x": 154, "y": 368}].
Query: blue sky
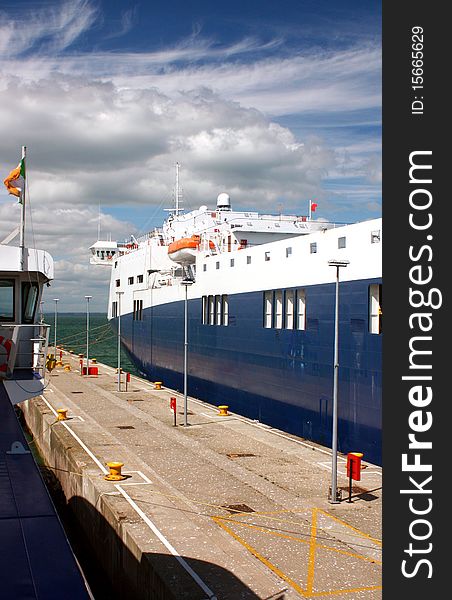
[{"x": 274, "y": 102}]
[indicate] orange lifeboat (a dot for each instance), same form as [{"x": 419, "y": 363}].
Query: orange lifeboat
[{"x": 184, "y": 251}]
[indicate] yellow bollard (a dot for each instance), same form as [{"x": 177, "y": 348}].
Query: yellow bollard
[
  {"x": 158, "y": 385},
  {"x": 62, "y": 414},
  {"x": 67, "y": 367},
  {"x": 115, "y": 471},
  {"x": 223, "y": 410}
]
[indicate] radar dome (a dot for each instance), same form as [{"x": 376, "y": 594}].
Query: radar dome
[{"x": 223, "y": 201}]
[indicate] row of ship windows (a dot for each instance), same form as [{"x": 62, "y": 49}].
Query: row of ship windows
[
  {"x": 286, "y": 309},
  {"x": 341, "y": 243},
  {"x": 283, "y": 309},
  {"x": 137, "y": 310},
  {"x": 215, "y": 310},
  {"x": 130, "y": 280}
]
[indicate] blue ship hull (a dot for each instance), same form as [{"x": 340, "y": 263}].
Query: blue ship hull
[{"x": 283, "y": 378}]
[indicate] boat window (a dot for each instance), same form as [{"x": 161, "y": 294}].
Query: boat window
[
  {"x": 375, "y": 236},
  {"x": 288, "y": 251},
  {"x": 375, "y": 312},
  {"x": 225, "y": 309},
  {"x": 232, "y": 262},
  {"x": 289, "y": 309},
  {"x": 211, "y": 310},
  {"x": 118, "y": 282},
  {"x": 268, "y": 309},
  {"x": 301, "y": 309},
  {"x": 139, "y": 278},
  {"x": 217, "y": 265},
  {"x": 278, "y": 309},
  {"x": 313, "y": 248},
  {"x": 248, "y": 260},
  {"x": 267, "y": 256},
  {"x": 204, "y": 267},
  {"x": 114, "y": 309},
  {"x": 130, "y": 280},
  {"x": 218, "y": 310},
  {"x": 30, "y": 293},
  {"x": 341, "y": 242},
  {"x": 6, "y": 300},
  {"x": 205, "y": 311}
]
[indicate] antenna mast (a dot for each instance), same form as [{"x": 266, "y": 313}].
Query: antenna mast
[{"x": 177, "y": 208}]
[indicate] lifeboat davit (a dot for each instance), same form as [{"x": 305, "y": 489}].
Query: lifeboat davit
[{"x": 184, "y": 251}]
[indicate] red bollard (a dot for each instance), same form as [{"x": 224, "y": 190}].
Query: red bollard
[
  {"x": 127, "y": 379},
  {"x": 173, "y": 408}
]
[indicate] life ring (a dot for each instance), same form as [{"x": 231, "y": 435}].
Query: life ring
[{"x": 7, "y": 345}]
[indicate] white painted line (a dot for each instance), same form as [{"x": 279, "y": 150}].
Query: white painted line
[
  {"x": 167, "y": 545},
  {"x": 82, "y": 444},
  {"x": 137, "y": 509}
]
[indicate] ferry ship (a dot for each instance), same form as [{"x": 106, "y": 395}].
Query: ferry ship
[{"x": 256, "y": 294}]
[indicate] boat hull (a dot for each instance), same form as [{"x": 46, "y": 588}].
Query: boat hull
[{"x": 283, "y": 378}]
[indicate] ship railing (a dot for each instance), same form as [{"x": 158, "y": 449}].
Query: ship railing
[{"x": 27, "y": 347}]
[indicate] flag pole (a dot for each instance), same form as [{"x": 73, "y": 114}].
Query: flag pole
[
  {"x": 22, "y": 217},
  {"x": 309, "y": 213}
]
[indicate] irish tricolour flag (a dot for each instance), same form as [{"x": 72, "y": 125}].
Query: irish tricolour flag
[{"x": 15, "y": 182}]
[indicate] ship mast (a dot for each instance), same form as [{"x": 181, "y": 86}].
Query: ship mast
[{"x": 177, "y": 192}]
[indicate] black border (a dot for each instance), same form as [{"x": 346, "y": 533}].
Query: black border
[{"x": 403, "y": 133}]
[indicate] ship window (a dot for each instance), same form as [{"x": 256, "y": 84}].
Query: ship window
[
  {"x": 130, "y": 280},
  {"x": 114, "y": 309},
  {"x": 248, "y": 260},
  {"x": 375, "y": 236},
  {"x": 30, "y": 292},
  {"x": 341, "y": 242},
  {"x": 267, "y": 256},
  {"x": 375, "y": 312},
  {"x": 116, "y": 263},
  {"x": 139, "y": 278},
  {"x": 289, "y": 309},
  {"x": 301, "y": 309},
  {"x": 118, "y": 282},
  {"x": 288, "y": 251},
  {"x": 217, "y": 265},
  {"x": 7, "y": 300},
  {"x": 204, "y": 267},
  {"x": 217, "y": 310},
  {"x": 313, "y": 247},
  {"x": 211, "y": 310},
  {"x": 232, "y": 262},
  {"x": 278, "y": 309},
  {"x": 268, "y": 306},
  {"x": 225, "y": 310},
  {"x": 205, "y": 310}
]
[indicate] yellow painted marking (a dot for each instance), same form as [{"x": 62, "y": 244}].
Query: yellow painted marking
[
  {"x": 312, "y": 545},
  {"x": 259, "y": 556},
  {"x": 297, "y": 539},
  {"x": 308, "y": 593}
]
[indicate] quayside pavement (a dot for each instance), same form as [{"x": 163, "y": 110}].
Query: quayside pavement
[{"x": 225, "y": 508}]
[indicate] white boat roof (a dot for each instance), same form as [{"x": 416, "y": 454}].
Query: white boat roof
[{"x": 35, "y": 260}]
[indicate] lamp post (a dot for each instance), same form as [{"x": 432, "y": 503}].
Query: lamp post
[
  {"x": 55, "y": 325},
  {"x": 119, "y": 294},
  {"x": 186, "y": 283},
  {"x": 333, "y": 492},
  {"x": 87, "y": 298}
]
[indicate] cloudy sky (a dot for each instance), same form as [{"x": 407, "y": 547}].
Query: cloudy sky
[{"x": 274, "y": 102}]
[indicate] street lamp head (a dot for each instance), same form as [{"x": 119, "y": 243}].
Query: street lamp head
[
  {"x": 338, "y": 263},
  {"x": 55, "y": 299},
  {"x": 88, "y": 297},
  {"x": 187, "y": 282}
]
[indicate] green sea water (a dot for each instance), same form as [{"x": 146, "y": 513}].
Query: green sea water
[{"x": 103, "y": 342}]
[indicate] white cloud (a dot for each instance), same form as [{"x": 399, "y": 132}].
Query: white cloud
[{"x": 108, "y": 127}]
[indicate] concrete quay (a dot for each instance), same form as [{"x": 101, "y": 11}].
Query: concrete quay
[{"x": 225, "y": 508}]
